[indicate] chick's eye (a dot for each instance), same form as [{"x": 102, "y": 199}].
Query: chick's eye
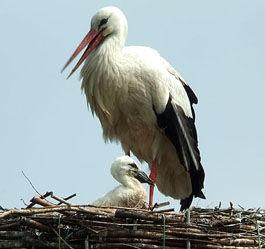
[
  {"x": 133, "y": 165},
  {"x": 103, "y": 21}
]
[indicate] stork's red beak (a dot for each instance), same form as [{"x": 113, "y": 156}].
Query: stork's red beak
[{"x": 91, "y": 40}]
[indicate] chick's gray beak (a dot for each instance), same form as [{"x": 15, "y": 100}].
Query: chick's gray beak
[{"x": 143, "y": 178}]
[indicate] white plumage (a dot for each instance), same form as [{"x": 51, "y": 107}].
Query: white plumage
[
  {"x": 144, "y": 103},
  {"x": 131, "y": 192}
]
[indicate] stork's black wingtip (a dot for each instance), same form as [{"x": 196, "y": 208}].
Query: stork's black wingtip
[
  {"x": 185, "y": 203},
  {"x": 200, "y": 195}
]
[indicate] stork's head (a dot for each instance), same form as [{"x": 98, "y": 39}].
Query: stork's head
[
  {"x": 107, "y": 22},
  {"x": 124, "y": 167}
]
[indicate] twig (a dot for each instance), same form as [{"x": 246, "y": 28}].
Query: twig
[
  {"x": 61, "y": 238},
  {"x": 187, "y": 219},
  {"x": 60, "y": 199},
  {"x": 241, "y": 207},
  {"x": 42, "y": 202},
  {"x": 35, "y": 200},
  {"x": 67, "y": 198},
  {"x": 59, "y": 233},
  {"x": 87, "y": 243},
  {"x": 159, "y": 205},
  {"x": 164, "y": 210},
  {"x": 164, "y": 231},
  {"x": 34, "y": 224},
  {"x": 258, "y": 231},
  {"x": 31, "y": 183},
  {"x": 24, "y": 202}
]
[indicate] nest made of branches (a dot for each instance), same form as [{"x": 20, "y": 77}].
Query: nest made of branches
[{"x": 84, "y": 226}]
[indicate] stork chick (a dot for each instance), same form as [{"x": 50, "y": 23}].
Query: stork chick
[{"x": 131, "y": 192}]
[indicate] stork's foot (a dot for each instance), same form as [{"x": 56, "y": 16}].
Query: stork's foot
[{"x": 152, "y": 176}]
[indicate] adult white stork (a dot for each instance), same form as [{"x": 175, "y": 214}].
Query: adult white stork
[
  {"x": 131, "y": 192},
  {"x": 144, "y": 103}
]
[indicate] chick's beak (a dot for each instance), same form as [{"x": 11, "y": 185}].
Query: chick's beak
[{"x": 143, "y": 178}]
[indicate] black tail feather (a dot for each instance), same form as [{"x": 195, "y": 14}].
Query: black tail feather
[{"x": 185, "y": 203}]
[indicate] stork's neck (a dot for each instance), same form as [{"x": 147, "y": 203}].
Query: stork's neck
[
  {"x": 99, "y": 76},
  {"x": 112, "y": 45},
  {"x": 130, "y": 182},
  {"x": 105, "y": 56}
]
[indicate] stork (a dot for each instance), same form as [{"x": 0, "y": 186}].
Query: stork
[
  {"x": 144, "y": 103},
  {"x": 131, "y": 192}
]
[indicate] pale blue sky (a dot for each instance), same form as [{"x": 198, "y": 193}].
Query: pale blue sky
[{"x": 47, "y": 131}]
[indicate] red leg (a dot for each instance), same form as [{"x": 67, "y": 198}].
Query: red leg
[{"x": 152, "y": 176}]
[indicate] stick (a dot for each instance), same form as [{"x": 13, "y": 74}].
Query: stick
[
  {"x": 60, "y": 200},
  {"x": 31, "y": 183},
  {"x": 47, "y": 194},
  {"x": 61, "y": 238},
  {"x": 42, "y": 202},
  {"x": 67, "y": 198}
]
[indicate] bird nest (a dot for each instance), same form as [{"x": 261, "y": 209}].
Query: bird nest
[{"x": 63, "y": 225}]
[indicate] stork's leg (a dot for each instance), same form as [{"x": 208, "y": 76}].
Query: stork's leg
[{"x": 152, "y": 176}]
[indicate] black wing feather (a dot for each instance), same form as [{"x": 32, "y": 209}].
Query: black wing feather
[
  {"x": 181, "y": 131},
  {"x": 192, "y": 96}
]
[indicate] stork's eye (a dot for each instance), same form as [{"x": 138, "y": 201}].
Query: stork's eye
[{"x": 102, "y": 22}]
